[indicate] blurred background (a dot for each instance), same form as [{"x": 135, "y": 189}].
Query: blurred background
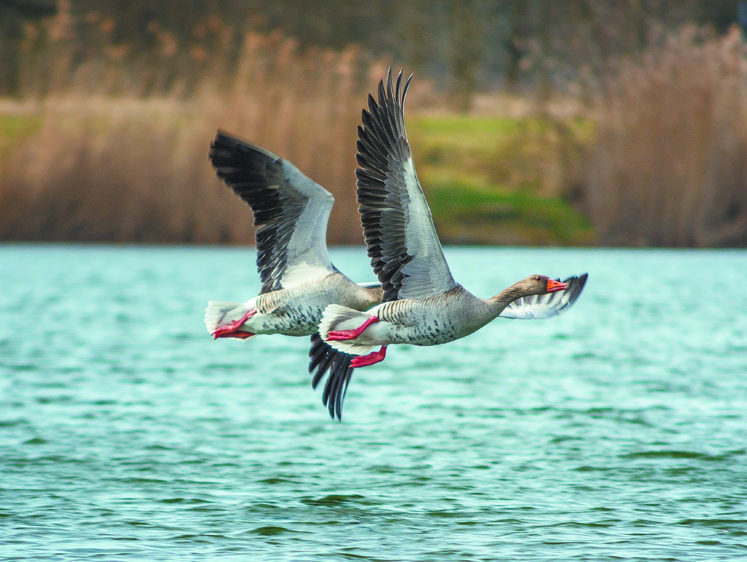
[{"x": 533, "y": 122}]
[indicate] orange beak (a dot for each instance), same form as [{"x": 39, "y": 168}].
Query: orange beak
[{"x": 553, "y": 286}]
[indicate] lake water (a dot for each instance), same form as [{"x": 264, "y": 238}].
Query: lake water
[{"x": 616, "y": 431}]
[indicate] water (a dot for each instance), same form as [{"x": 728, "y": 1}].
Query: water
[{"x": 616, "y": 431}]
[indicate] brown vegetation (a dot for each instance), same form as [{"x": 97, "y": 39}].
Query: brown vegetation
[
  {"x": 135, "y": 168},
  {"x": 109, "y": 142},
  {"x": 669, "y": 165}
]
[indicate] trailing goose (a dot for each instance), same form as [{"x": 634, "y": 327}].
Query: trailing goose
[
  {"x": 422, "y": 304},
  {"x": 298, "y": 278}
]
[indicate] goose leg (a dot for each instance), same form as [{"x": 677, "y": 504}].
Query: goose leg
[
  {"x": 231, "y": 330},
  {"x": 339, "y": 335},
  {"x": 370, "y": 359}
]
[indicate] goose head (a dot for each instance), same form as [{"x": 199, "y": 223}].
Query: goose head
[
  {"x": 532, "y": 285},
  {"x": 539, "y": 285}
]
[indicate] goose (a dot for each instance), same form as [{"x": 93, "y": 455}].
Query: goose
[
  {"x": 422, "y": 303},
  {"x": 298, "y": 278}
]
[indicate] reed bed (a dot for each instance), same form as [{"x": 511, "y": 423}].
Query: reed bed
[
  {"x": 110, "y": 144},
  {"x": 106, "y": 164},
  {"x": 669, "y": 164}
]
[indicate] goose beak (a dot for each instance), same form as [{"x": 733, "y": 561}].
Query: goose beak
[{"x": 553, "y": 286}]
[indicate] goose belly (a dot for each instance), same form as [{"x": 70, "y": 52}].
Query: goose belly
[
  {"x": 423, "y": 335},
  {"x": 300, "y": 320},
  {"x": 431, "y": 322},
  {"x": 297, "y": 311}
]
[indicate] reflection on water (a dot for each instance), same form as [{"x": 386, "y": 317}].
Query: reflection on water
[{"x": 614, "y": 430}]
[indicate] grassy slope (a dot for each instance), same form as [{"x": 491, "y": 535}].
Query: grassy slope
[
  {"x": 489, "y": 180},
  {"x": 15, "y": 128},
  {"x": 496, "y": 180}
]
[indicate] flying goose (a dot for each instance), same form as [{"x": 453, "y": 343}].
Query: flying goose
[
  {"x": 298, "y": 278},
  {"x": 422, "y": 304}
]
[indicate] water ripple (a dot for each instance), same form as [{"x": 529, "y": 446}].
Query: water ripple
[{"x": 607, "y": 433}]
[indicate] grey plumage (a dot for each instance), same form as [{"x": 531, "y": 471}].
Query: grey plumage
[
  {"x": 400, "y": 236},
  {"x": 323, "y": 359},
  {"x": 423, "y": 304},
  {"x": 290, "y": 210},
  {"x": 298, "y": 278}
]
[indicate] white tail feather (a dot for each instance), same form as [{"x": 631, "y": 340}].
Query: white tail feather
[
  {"x": 337, "y": 317},
  {"x": 220, "y": 313}
]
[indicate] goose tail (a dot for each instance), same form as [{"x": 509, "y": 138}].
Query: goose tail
[
  {"x": 337, "y": 317},
  {"x": 220, "y": 313}
]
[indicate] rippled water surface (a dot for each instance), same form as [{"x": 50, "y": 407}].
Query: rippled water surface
[{"x": 616, "y": 431}]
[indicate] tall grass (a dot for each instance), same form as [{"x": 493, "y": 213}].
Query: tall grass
[
  {"x": 110, "y": 143},
  {"x": 669, "y": 165},
  {"x": 109, "y": 161}
]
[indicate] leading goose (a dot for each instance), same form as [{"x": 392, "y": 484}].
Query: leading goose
[
  {"x": 298, "y": 278},
  {"x": 423, "y": 304}
]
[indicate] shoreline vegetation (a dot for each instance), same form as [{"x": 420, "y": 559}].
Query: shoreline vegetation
[{"x": 95, "y": 150}]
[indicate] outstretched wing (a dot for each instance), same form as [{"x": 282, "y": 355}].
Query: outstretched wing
[
  {"x": 546, "y": 306},
  {"x": 291, "y": 210},
  {"x": 397, "y": 225},
  {"x": 323, "y": 359}
]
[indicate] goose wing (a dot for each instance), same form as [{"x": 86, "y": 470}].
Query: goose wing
[
  {"x": 323, "y": 359},
  {"x": 397, "y": 225},
  {"x": 546, "y": 306},
  {"x": 290, "y": 210}
]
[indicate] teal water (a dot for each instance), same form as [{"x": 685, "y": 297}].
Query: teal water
[{"x": 616, "y": 431}]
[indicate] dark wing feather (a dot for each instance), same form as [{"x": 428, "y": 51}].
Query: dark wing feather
[
  {"x": 400, "y": 237},
  {"x": 283, "y": 201},
  {"x": 323, "y": 359},
  {"x": 548, "y": 305}
]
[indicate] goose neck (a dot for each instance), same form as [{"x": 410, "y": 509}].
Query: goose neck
[{"x": 500, "y": 301}]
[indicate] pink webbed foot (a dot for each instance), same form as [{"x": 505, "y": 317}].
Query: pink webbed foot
[
  {"x": 340, "y": 335},
  {"x": 370, "y": 359},
  {"x": 231, "y": 330},
  {"x": 238, "y": 335}
]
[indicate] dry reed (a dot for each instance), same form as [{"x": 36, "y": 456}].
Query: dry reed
[
  {"x": 118, "y": 150},
  {"x": 108, "y": 164},
  {"x": 669, "y": 164}
]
